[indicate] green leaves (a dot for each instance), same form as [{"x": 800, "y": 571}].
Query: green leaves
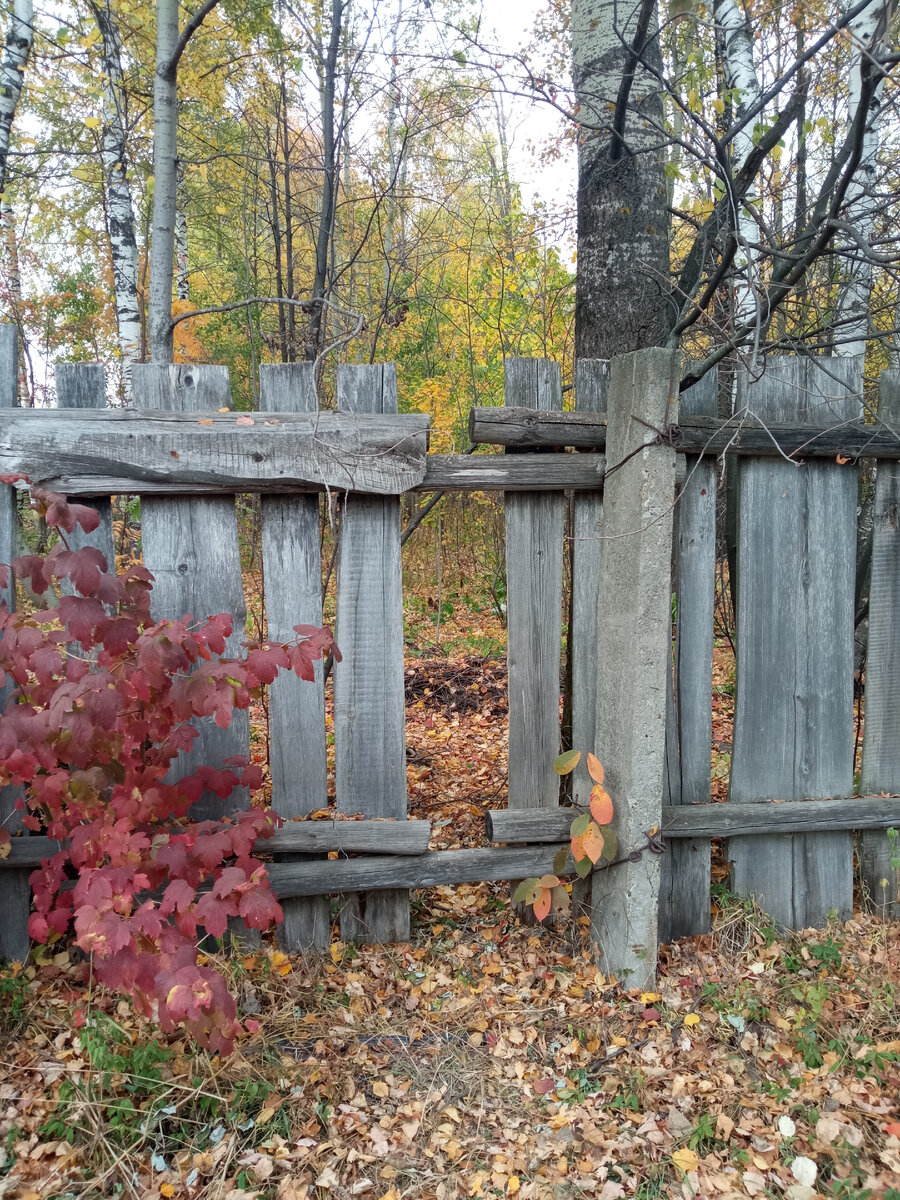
[{"x": 566, "y": 763}]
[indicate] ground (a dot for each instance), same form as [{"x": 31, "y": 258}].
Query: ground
[{"x": 484, "y": 1059}]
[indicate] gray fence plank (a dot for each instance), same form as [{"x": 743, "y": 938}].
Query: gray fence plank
[
  {"x": 369, "y": 705},
  {"x": 793, "y": 730},
  {"x": 591, "y": 386},
  {"x": 83, "y": 385},
  {"x": 881, "y": 743},
  {"x": 534, "y": 551},
  {"x": 292, "y": 575},
  {"x": 15, "y": 892},
  {"x": 685, "y": 871},
  {"x": 191, "y": 548},
  {"x": 634, "y": 654}
]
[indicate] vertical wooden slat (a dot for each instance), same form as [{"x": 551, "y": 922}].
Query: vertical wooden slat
[
  {"x": 191, "y": 547},
  {"x": 793, "y": 729},
  {"x": 881, "y": 743},
  {"x": 534, "y": 553},
  {"x": 685, "y": 868},
  {"x": 83, "y": 385},
  {"x": 369, "y": 706},
  {"x": 292, "y": 575},
  {"x": 591, "y": 387},
  {"x": 634, "y": 653},
  {"x": 15, "y": 893}
]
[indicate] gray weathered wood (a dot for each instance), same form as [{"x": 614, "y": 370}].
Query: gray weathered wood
[
  {"x": 793, "y": 729},
  {"x": 292, "y": 575},
  {"x": 369, "y": 703},
  {"x": 325, "y": 450},
  {"x": 435, "y": 869},
  {"x": 443, "y": 472},
  {"x": 79, "y": 386},
  {"x": 534, "y": 552},
  {"x": 591, "y": 385},
  {"x": 696, "y": 434},
  {"x": 634, "y": 653},
  {"x": 685, "y": 872},
  {"x": 15, "y": 892},
  {"x": 306, "y": 837},
  {"x": 684, "y": 822},
  {"x": 191, "y": 548},
  {"x": 881, "y": 744}
]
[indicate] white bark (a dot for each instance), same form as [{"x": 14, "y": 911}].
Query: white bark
[
  {"x": 852, "y": 326},
  {"x": 742, "y": 79},
  {"x": 12, "y": 73},
  {"x": 165, "y": 127},
  {"x": 119, "y": 202}
]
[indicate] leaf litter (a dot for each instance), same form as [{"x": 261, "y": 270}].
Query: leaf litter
[{"x": 483, "y": 1059}]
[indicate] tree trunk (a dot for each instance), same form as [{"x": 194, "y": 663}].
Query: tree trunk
[
  {"x": 119, "y": 202},
  {"x": 623, "y": 224},
  {"x": 12, "y": 73},
  {"x": 327, "y": 83},
  {"x": 14, "y": 283},
  {"x": 183, "y": 282},
  {"x": 165, "y": 127}
]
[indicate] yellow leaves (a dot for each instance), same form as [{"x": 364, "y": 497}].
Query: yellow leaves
[
  {"x": 649, "y": 997},
  {"x": 166, "y": 1189},
  {"x": 381, "y": 1089},
  {"x": 512, "y": 1185},
  {"x": 92, "y": 122},
  {"x": 685, "y": 1160},
  {"x": 280, "y": 963},
  {"x": 691, "y": 1019}
]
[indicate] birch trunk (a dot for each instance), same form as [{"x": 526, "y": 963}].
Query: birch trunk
[
  {"x": 14, "y": 283},
  {"x": 742, "y": 81},
  {"x": 119, "y": 201},
  {"x": 852, "y": 315},
  {"x": 12, "y": 73},
  {"x": 623, "y": 224},
  {"x": 165, "y": 126}
]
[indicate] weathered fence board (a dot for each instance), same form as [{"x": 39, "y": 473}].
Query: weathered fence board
[
  {"x": 685, "y": 872},
  {"x": 793, "y": 728},
  {"x": 881, "y": 744},
  {"x": 534, "y": 547},
  {"x": 305, "y": 837},
  {"x": 15, "y": 895},
  {"x": 695, "y": 434},
  {"x": 369, "y": 702},
  {"x": 191, "y": 548},
  {"x": 292, "y": 576},
  {"x": 634, "y": 653},
  {"x": 322, "y": 450},
  {"x": 591, "y": 386},
  {"x": 683, "y": 821},
  {"x": 443, "y": 472}
]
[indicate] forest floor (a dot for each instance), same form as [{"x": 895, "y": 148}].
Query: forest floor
[{"x": 483, "y": 1059}]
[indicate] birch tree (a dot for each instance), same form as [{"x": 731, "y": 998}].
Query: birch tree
[
  {"x": 119, "y": 202},
  {"x": 17, "y": 51}
]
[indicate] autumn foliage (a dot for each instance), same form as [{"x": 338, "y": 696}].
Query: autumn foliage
[{"x": 102, "y": 703}]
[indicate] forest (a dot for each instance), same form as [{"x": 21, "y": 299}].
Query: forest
[{"x": 301, "y": 191}]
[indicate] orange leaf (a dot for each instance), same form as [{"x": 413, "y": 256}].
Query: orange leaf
[
  {"x": 592, "y": 841},
  {"x": 548, "y": 881},
  {"x": 204, "y": 421},
  {"x": 601, "y": 805},
  {"x": 542, "y": 904},
  {"x": 893, "y": 1128},
  {"x": 841, "y": 459},
  {"x": 595, "y": 768},
  {"x": 578, "y": 848}
]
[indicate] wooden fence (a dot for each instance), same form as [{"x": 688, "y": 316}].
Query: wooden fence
[{"x": 643, "y": 481}]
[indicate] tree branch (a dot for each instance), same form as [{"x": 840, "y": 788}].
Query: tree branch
[{"x": 168, "y": 70}]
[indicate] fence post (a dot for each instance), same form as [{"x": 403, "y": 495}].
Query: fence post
[
  {"x": 369, "y": 705},
  {"x": 292, "y": 578},
  {"x": 190, "y": 546},
  {"x": 793, "y": 724},
  {"x": 15, "y": 891},
  {"x": 634, "y": 652},
  {"x": 881, "y": 743},
  {"x": 534, "y": 551},
  {"x": 685, "y": 867},
  {"x": 83, "y": 385},
  {"x": 591, "y": 391}
]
